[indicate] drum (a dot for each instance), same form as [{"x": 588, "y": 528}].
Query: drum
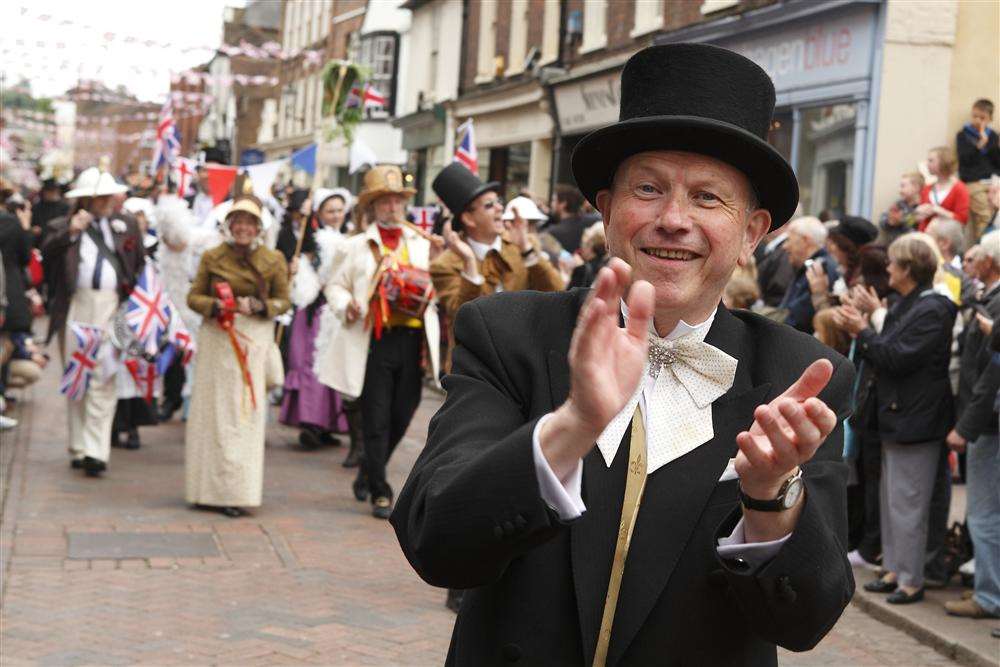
[{"x": 407, "y": 290}]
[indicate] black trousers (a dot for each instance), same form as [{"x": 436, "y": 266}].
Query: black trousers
[
  {"x": 389, "y": 399},
  {"x": 867, "y": 533},
  {"x": 937, "y": 522},
  {"x": 173, "y": 381}
]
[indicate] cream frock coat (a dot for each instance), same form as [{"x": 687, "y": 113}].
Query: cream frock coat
[{"x": 342, "y": 347}]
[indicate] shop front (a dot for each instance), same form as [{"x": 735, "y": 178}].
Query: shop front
[
  {"x": 585, "y": 101},
  {"x": 513, "y": 133},
  {"x": 821, "y": 57}
]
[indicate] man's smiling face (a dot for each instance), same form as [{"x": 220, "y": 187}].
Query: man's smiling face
[{"x": 683, "y": 222}]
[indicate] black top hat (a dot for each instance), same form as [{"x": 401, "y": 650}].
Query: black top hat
[
  {"x": 858, "y": 230},
  {"x": 697, "y": 98},
  {"x": 458, "y": 187}
]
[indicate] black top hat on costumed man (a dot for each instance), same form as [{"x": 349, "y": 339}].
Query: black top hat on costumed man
[
  {"x": 696, "y": 98},
  {"x": 458, "y": 187}
]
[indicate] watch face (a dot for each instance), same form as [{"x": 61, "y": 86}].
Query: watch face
[{"x": 792, "y": 493}]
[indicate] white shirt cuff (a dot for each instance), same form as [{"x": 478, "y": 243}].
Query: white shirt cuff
[
  {"x": 754, "y": 553},
  {"x": 531, "y": 259},
  {"x": 478, "y": 280},
  {"x": 565, "y": 499}
]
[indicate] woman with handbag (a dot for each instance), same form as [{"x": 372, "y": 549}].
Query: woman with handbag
[{"x": 240, "y": 287}]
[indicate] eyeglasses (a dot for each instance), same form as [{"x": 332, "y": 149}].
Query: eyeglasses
[{"x": 493, "y": 203}]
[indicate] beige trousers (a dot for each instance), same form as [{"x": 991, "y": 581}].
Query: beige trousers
[
  {"x": 91, "y": 417},
  {"x": 980, "y": 211}
]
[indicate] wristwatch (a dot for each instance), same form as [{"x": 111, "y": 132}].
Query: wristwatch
[{"x": 788, "y": 495}]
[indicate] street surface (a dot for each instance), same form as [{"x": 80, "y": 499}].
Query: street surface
[{"x": 119, "y": 570}]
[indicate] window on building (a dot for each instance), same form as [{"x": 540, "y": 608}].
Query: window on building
[
  {"x": 431, "y": 77},
  {"x": 377, "y": 52},
  {"x": 307, "y": 103},
  {"x": 318, "y": 105},
  {"x": 487, "y": 41},
  {"x": 648, "y": 17},
  {"x": 518, "y": 44},
  {"x": 826, "y": 158},
  {"x": 595, "y": 22},
  {"x": 550, "y": 32},
  {"x": 289, "y": 27},
  {"x": 300, "y": 97},
  {"x": 709, "y": 6}
]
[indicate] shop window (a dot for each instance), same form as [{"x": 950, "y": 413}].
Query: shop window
[
  {"x": 826, "y": 158},
  {"x": 780, "y": 134}
]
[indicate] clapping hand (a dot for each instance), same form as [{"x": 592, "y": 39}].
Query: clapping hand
[
  {"x": 785, "y": 433},
  {"x": 850, "y": 320},
  {"x": 819, "y": 283},
  {"x": 606, "y": 364},
  {"x": 517, "y": 229},
  {"x": 985, "y": 324},
  {"x": 864, "y": 299},
  {"x": 460, "y": 248}
]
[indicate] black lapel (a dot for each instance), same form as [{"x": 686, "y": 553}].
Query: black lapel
[{"x": 676, "y": 494}]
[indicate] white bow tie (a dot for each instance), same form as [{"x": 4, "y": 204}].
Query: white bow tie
[{"x": 685, "y": 376}]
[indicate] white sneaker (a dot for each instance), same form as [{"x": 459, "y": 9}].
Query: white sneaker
[
  {"x": 968, "y": 567},
  {"x": 7, "y": 423},
  {"x": 857, "y": 560}
]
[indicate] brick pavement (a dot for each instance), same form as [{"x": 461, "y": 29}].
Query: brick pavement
[{"x": 310, "y": 578}]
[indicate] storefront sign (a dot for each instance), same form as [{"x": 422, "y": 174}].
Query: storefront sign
[
  {"x": 836, "y": 47},
  {"x": 588, "y": 104}
]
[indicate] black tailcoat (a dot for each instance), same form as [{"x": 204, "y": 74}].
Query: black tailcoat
[{"x": 471, "y": 514}]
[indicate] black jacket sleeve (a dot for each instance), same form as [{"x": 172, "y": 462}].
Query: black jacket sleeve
[
  {"x": 908, "y": 345},
  {"x": 472, "y": 503},
  {"x": 978, "y": 415},
  {"x": 796, "y": 598}
]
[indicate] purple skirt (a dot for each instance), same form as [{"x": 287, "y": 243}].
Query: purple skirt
[{"x": 306, "y": 400}]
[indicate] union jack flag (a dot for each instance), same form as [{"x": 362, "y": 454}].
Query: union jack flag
[
  {"x": 168, "y": 141},
  {"x": 148, "y": 310},
  {"x": 465, "y": 152},
  {"x": 82, "y": 362},
  {"x": 423, "y": 217}
]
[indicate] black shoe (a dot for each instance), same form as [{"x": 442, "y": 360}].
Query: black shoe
[
  {"x": 880, "y": 586},
  {"x": 382, "y": 507},
  {"x": 133, "y": 441},
  {"x": 168, "y": 409},
  {"x": 454, "y": 599},
  {"x": 76, "y": 464},
  {"x": 900, "y": 597},
  {"x": 360, "y": 487},
  {"x": 232, "y": 512},
  {"x": 995, "y": 632},
  {"x": 310, "y": 439},
  {"x": 353, "y": 459},
  {"x": 92, "y": 467},
  {"x": 328, "y": 439}
]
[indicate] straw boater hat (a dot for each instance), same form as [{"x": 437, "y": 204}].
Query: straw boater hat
[
  {"x": 386, "y": 179},
  {"x": 94, "y": 182},
  {"x": 700, "y": 99}
]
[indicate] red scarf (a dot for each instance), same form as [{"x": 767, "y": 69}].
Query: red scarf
[{"x": 390, "y": 236}]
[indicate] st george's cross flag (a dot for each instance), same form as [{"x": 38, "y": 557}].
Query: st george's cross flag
[
  {"x": 184, "y": 173},
  {"x": 148, "y": 309},
  {"x": 423, "y": 217},
  {"x": 372, "y": 98},
  {"x": 82, "y": 362},
  {"x": 465, "y": 151}
]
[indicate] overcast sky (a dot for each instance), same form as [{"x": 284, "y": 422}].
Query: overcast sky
[{"x": 88, "y": 54}]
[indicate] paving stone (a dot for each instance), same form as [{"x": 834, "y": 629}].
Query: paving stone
[{"x": 141, "y": 545}]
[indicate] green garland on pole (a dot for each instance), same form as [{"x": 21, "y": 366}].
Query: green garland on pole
[{"x": 339, "y": 76}]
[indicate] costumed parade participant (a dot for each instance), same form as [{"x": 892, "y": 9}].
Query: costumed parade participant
[
  {"x": 484, "y": 255},
  {"x": 182, "y": 242},
  {"x": 240, "y": 287},
  {"x": 380, "y": 311},
  {"x": 138, "y": 388},
  {"x": 92, "y": 260},
  {"x": 707, "y": 524},
  {"x": 308, "y": 404}
]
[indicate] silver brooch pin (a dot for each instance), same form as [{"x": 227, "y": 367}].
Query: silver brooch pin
[{"x": 660, "y": 355}]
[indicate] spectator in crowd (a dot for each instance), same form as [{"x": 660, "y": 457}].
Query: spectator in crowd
[
  {"x": 826, "y": 331},
  {"x": 951, "y": 242},
  {"x": 15, "y": 244},
  {"x": 867, "y": 297},
  {"x": 914, "y": 409},
  {"x": 978, "y": 161},
  {"x": 774, "y": 271},
  {"x": 201, "y": 201},
  {"x": 976, "y": 433},
  {"x": 50, "y": 205},
  {"x": 27, "y": 361},
  {"x": 566, "y": 206},
  {"x": 843, "y": 243},
  {"x": 806, "y": 248},
  {"x": 993, "y": 197},
  {"x": 741, "y": 292},
  {"x": 594, "y": 255},
  {"x": 901, "y": 216},
  {"x": 947, "y": 197}
]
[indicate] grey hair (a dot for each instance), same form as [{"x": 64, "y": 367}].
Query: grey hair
[
  {"x": 950, "y": 231},
  {"x": 990, "y": 244},
  {"x": 811, "y": 228}
]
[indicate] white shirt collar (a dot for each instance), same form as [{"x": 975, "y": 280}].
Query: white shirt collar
[
  {"x": 480, "y": 250},
  {"x": 682, "y": 328}
]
